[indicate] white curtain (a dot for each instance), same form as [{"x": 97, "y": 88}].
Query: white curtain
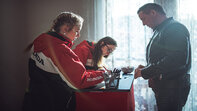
[
  {"x": 119, "y": 19},
  {"x": 187, "y": 15}
]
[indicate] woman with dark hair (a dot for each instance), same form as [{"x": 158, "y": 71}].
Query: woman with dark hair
[
  {"x": 91, "y": 54},
  {"x": 55, "y": 71}
]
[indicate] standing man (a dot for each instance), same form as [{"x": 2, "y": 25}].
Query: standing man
[{"x": 168, "y": 57}]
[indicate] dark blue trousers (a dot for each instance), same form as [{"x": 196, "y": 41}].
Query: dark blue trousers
[{"x": 171, "y": 99}]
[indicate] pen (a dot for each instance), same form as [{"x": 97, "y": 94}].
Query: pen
[
  {"x": 105, "y": 68},
  {"x": 108, "y": 71}
]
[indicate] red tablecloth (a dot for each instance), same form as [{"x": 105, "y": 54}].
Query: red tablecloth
[{"x": 105, "y": 101}]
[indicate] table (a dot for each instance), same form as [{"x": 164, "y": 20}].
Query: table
[{"x": 99, "y": 98}]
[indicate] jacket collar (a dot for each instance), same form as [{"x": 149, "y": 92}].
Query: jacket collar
[
  {"x": 163, "y": 23},
  {"x": 67, "y": 41}
]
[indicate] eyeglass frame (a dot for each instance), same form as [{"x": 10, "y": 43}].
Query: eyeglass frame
[{"x": 109, "y": 50}]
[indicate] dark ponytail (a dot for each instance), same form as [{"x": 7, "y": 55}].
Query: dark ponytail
[{"x": 28, "y": 48}]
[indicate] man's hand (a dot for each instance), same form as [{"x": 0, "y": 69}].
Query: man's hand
[
  {"x": 140, "y": 66},
  {"x": 138, "y": 71}
]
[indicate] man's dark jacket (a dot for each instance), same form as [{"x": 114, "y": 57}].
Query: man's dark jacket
[{"x": 168, "y": 56}]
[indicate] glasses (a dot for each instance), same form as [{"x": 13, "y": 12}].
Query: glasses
[{"x": 109, "y": 50}]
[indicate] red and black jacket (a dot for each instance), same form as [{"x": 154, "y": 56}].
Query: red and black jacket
[
  {"x": 84, "y": 51},
  {"x": 55, "y": 70},
  {"x": 52, "y": 54}
]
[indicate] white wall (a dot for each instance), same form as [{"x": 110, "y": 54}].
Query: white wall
[{"x": 20, "y": 22}]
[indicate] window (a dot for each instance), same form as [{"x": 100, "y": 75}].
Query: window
[
  {"x": 120, "y": 21},
  {"x": 123, "y": 24}
]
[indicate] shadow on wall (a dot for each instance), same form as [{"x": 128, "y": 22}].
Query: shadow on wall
[{"x": 22, "y": 21}]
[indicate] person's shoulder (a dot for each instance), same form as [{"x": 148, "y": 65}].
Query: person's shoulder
[
  {"x": 85, "y": 44},
  {"x": 42, "y": 38},
  {"x": 81, "y": 48},
  {"x": 175, "y": 27},
  {"x": 176, "y": 24}
]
